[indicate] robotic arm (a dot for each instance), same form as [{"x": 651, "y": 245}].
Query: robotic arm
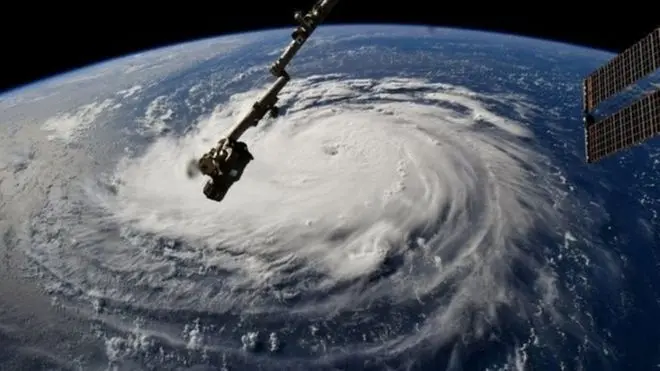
[{"x": 225, "y": 162}]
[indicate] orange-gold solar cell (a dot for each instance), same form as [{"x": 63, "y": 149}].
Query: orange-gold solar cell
[
  {"x": 624, "y": 129},
  {"x": 625, "y": 69}
]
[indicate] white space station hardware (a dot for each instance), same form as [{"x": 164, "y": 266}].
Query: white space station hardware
[{"x": 225, "y": 162}]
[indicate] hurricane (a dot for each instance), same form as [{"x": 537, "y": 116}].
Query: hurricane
[{"x": 383, "y": 222}]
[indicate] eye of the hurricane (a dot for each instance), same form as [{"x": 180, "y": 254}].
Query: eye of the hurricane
[{"x": 395, "y": 205}]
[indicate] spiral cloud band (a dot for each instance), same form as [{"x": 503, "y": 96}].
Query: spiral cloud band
[{"x": 409, "y": 207}]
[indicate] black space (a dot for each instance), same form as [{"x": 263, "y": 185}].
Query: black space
[{"x": 41, "y": 42}]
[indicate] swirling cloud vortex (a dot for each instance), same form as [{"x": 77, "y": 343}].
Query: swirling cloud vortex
[{"x": 399, "y": 191}]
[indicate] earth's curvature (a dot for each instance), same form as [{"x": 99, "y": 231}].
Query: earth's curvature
[{"x": 421, "y": 203}]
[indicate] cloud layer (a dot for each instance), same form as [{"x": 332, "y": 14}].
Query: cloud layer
[{"x": 397, "y": 211}]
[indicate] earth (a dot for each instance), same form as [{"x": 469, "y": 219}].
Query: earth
[{"x": 421, "y": 203}]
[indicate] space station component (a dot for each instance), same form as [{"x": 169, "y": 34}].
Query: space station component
[
  {"x": 634, "y": 123},
  {"x": 225, "y": 162}
]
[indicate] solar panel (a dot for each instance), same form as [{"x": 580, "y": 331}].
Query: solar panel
[
  {"x": 624, "y": 129},
  {"x": 632, "y": 64}
]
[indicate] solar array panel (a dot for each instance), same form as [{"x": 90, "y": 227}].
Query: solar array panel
[
  {"x": 626, "y": 128},
  {"x": 632, "y": 64}
]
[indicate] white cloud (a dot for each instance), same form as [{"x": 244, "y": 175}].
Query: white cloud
[{"x": 69, "y": 125}]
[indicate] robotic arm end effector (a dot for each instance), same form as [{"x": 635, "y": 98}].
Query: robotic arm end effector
[{"x": 224, "y": 164}]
